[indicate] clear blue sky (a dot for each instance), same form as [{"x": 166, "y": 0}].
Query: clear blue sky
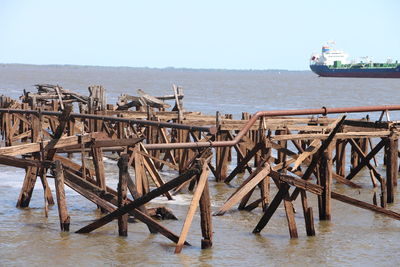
[{"x": 230, "y": 34}]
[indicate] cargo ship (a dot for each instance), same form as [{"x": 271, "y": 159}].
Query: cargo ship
[{"x": 335, "y": 63}]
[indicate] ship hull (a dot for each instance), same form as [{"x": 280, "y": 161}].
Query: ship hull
[{"x": 325, "y": 71}]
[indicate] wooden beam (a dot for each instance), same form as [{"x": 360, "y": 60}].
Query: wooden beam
[
  {"x": 363, "y": 156},
  {"x": 35, "y": 147},
  {"x": 364, "y": 205},
  {"x": 299, "y": 183},
  {"x": 365, "y": 160},
  {"x": 193, "y": 206},
  {"x": 244, "y": 189},
  {"x": 243, "y": 163},
  {"x": 108, "y": 201},
  {"x": 283, "y": 191},
  {"x": 21, "y": 163},
  {"x": 139, "y": 201}
]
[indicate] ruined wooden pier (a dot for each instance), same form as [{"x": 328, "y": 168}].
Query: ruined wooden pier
[{"x": 301, "y": 152}]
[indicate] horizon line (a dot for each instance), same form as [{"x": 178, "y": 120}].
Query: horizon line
[{"x": 154, "y": 68}]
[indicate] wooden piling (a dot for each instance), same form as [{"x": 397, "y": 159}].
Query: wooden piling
[
  {"x": 341, "y": 157},
  {"x": 122, "y": 195},
  {"x": 391, "y": 166},
  {"x": 60, "y": 193},
  {"x": 205, "y": 218},
  {"x": 324, "y": 201},
  {"x": 308, "y": 214}
]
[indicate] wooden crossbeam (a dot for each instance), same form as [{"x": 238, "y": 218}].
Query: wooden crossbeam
[
  {"x": 366, "y": 160},
  {"x": 139, "y": 201},
  {"x": 244, "y": 162},
  {"x": 283, "y": 191},
  {"x": 35, "y": 147},
  {"x": 108, "y": 201},
  {"x": 22, "y": 163},
  {"x": 363, "y": 156},
  {"x": 299, "y": 183}
]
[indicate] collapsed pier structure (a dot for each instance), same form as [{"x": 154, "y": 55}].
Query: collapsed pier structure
[{"x": 300, "y": 152}]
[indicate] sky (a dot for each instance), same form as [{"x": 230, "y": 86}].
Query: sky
[{"x": 217, "y": 34}]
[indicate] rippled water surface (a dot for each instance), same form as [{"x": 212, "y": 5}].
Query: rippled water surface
[{"x": 353, "y": 237}]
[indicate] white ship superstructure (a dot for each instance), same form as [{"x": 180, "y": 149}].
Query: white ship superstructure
[{"x": 329, "y": 55}]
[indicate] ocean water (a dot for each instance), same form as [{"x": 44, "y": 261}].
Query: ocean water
[{"x": 354, "y": 237}]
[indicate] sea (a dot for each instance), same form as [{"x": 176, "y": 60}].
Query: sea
[{"x": 353, "y": 237}]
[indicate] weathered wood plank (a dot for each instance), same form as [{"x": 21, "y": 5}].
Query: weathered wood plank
[
  {"x": 243, "y": 190},
  {"x": 364, "y": 205},
  {"x": 192, "y": 208},
  {"x": 35, "y": 147}
]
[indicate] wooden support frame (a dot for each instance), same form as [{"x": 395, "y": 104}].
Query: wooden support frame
[{"x": 139, "y": 201}]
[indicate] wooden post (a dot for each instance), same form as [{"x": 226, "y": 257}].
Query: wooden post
[
  {"x": 122, "y": 195},
  {"x": 341, "y": 157},
  {"x": 221, "y": 157},
  {"x": 140, "y": 175},
  {"x": 184, "y": 157},
  {"x": 205, "y": 218},
  {"x": 7, "y": 123},
  {"x": 27, "y": 187},
  {"x": 98, "y": 164},
  {"x": 391, "y": 166},
  {"x": 241, "y": 148},
  {"x": 265, "y": 183},
  {"x": 60, "y": 193},
  {"x": 281, "y": 154},
  {"x": 31, "y": 172},
  {"x": 290, "y": 217},
  {"x": 308, "y": 214},
  {"x": 383, "y": 195},
  {"x": 324, "y": 201},
  {"x": 354, "y": 155},
  {"x": 71, "y": 130}
]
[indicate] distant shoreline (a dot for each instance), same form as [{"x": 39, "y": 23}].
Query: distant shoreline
[{"x": 146, "y": 68}]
